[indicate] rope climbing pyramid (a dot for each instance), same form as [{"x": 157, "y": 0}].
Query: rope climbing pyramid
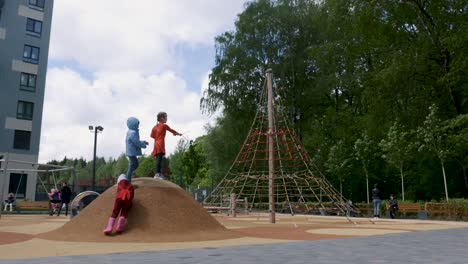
[{"x": 282, "y": 170}]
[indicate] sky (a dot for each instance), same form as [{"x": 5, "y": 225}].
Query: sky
[{"x": 113, "y": 59}]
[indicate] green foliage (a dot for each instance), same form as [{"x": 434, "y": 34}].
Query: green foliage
[
  {"x": 433, "y": 137},
  {"x": 366, "y": 150},
  {"x": 223, "y": 142},
  {"x": 397, "y": 146},
  {"x": 398, "y": 149},
  {"x": 175, "y": 164},
  {"x": 121, "y": 165},
  {"x": 193, "y": 162},
  {"x": 347, "y": 66},
  {"x": 339, "y": 161},
  {"x": 146, "y": 167}
]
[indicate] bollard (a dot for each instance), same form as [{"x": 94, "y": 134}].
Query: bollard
[{"x": 233, "y": 204}]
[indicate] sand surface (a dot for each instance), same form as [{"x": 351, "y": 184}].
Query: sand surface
[{"x": 162, "y": 212}]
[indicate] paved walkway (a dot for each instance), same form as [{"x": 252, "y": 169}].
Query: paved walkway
[{"x": 439, "y": 246}]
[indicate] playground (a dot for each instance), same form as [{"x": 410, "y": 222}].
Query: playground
[
  {"x": 271, "y": 170},
  {"x": 176, "y": 221},
  {"x": 20, "y": 232}
]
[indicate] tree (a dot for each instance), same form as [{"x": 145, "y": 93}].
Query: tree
[
  {"x": 147, "y": 167},
  {"x": 397, "y": 148},
  {"x": 121, "y": 165},
  {"x": 434, "y": 138},
  {"x": 193, "y": 162},
  {"x": 340, "y": 67},
  {"x": 175, "y": 164},
  {"x": 458, "y": 139},
  {"x": 338, "y": 162},
  {"x": 223, "y": 142},
  {"x": 366, "y": 151},
  {"x": 104, "y": 171},
  {"x": 269, "y": 34}
]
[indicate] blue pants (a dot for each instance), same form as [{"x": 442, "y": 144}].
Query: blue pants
[
  {"x": 131, "y": 167},
  {"x": 376, "y": 203}
]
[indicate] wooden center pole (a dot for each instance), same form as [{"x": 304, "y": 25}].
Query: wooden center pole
[{"x": 271, "y": 154}]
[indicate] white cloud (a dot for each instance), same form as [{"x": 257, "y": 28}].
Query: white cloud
[
  {"x": 139, "y": 35},
  {"x": 74, "y": 103},
  {"x": 130, "y": 47}
]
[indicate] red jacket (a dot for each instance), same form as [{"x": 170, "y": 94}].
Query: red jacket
[
  {"x": 159, "y": 133},
  {"x": 125, "y": 191}
]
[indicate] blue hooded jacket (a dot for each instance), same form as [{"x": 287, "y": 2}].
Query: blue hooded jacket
[{"x": 133, "y": 144}]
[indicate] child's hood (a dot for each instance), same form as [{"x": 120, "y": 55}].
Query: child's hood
[{"x": 133, "y": 123}]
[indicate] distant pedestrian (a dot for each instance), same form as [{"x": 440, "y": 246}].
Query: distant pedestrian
[
  {"x": 376, "y": 201},
  {"x": 392, "y": 206},
  {"x": 133, "y": 145},
  {"x": 122, "y": 205},
  {"x": 65, "y": 196},
  {"x": 159, "y": 134}
]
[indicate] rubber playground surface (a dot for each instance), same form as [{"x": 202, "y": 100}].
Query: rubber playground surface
[{"x": 18, "y": 233}]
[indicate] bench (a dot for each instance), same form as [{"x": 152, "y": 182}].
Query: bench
[
  {"x": 366, "y": 211},
  {"x": 214, "y": 209},
  {"x": 437, "y": 208},
  {"x": 32, "y": 206},
  {"x": 296, "y": 208},
  {"x": 405, "y": 208},
  {"x": 409, "y": 208}
]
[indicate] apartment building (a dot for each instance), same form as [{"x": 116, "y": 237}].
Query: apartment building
[{"x": 24, "y": 47}]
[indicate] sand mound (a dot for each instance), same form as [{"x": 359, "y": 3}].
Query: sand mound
[{"x": 162, "y": 212}]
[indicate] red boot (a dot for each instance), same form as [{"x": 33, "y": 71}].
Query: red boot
[
  {"x": 120, "y": 225},
  {"x": 109, "y": 227}
]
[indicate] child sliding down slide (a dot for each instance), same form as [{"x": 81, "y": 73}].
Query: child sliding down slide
[{"x": 123, "y": 204}]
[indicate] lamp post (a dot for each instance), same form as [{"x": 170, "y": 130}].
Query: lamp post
[{"x": 96, "y": 130}]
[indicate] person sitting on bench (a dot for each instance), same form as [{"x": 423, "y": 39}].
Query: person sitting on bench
[
  {"x": 9, "y": 202},
  {"x": 392, "y": 206}
]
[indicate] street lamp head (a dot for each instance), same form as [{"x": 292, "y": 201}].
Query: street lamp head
[
  {"x": 100, "y": 128},
  {"x": 91, "y": 128}
]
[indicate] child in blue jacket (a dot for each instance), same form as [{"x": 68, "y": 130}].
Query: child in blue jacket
[{"x": 133, "y": 145}]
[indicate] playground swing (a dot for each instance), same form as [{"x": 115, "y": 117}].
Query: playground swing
[
  {"x": 53, "y": 201},
  {"x": 16, "y": 192},
  {"x": 18, "y": 186}
]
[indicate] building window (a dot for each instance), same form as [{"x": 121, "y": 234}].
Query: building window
[
  {"x": 37, "y": 3},
  {"x": 28, "y": 82},
  {"x": 25, "y": 110},
  {"x": 31, "y": 54},
  {"x": 33, "y": 27},
  {"x": 22, "y": 139},
  {"x": 2, "y": 3},
  {"x": 18, "y": 184}
]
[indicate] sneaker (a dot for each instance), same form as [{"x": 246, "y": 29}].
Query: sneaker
[{"x": 158, "y": 176}]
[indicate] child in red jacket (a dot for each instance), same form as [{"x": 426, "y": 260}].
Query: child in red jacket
[
  {"x": 123, "y": 204},
  {"x": 159, "y": 133}
]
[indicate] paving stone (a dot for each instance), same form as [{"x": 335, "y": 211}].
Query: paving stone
[{"x": 440, "y": 246}]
